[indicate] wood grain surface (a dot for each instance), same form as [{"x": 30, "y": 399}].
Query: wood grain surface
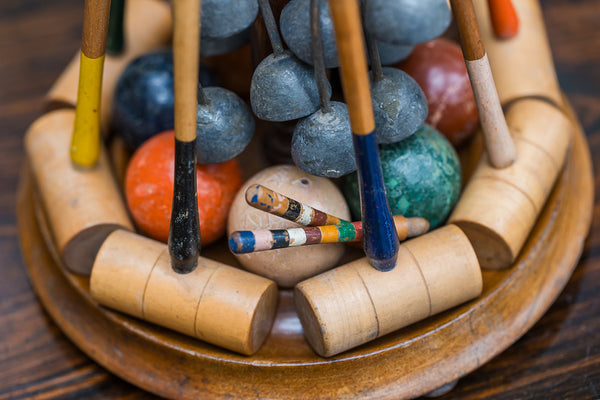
[{"x": 559, "y": 358}]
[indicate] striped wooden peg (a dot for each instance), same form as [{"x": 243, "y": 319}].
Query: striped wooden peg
[
  {"x": 241, "y": 242},
  {"x": 268, "y": 200}
]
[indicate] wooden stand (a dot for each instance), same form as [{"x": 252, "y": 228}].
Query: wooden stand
[{"x": 404, "y": 364}]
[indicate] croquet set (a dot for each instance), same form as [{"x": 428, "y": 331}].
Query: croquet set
[{"x": 433, "y": 200}]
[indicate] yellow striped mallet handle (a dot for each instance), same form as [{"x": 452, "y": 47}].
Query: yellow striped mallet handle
[
  {"x": 498, "y": 142},
  {"x": 85, "y": 143},
  {"x": 380, "y": 238}
]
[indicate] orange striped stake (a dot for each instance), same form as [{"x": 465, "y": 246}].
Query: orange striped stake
[
  {"x": 85, "y": 143},
  {"x": 504, "y": 18}
]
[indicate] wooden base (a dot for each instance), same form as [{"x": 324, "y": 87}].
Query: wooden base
[{"x": 403, "y": 364}]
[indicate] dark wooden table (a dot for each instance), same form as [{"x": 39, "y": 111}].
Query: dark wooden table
[{"x": 559, "y": 358}]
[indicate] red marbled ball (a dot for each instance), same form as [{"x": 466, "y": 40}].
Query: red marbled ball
[
  {"x": 439, "y": 68},
  {"x": 149, "y": 189}
]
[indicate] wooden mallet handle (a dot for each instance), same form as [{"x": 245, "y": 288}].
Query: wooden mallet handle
[
  {"x": 380, "y": 238},
  {"x": 85, "y": 142},
  {"x": 115, "y": 41},
  {"x": 498, "y": 142},
  {"x": 184, "y": 231}
]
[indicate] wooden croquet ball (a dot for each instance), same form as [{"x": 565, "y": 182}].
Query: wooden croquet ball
[
  {"x": 149, "y": 189},
  {"x": 421, "y": 176},
  {"x": 439, "y": 68},
  {"x": 290, "y": 265}
]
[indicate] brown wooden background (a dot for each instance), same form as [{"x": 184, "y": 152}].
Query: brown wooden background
[{"x": 559, "y": 358}]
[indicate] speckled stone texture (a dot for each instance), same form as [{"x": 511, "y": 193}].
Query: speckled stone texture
[
  {"x": 399, "y": 106},
  {"x": 406, "y": 21},
  {"x": 225, "y": 126},
  {"x": 283, "y": 88},
  {"x": 295, "y": 29},
  {"x": 421, "y": 175},
  {"x": 223, "y": 18},
  {"x": 322, "y": 143}
]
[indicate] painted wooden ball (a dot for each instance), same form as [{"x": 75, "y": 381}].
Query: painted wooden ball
[
  {"x": 439, "y": 68},
  {"x": 149, "y": 189},
  {"x": 143, "y": 103},
  {"x": 421, "y": 176},
  {"x": 291, "y": 265}
]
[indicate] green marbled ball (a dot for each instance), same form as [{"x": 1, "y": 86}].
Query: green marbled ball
[{"x": 421, "y": 175}]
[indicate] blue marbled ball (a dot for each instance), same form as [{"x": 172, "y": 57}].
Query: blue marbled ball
[
  {"x": 143, "y": 101},
  {"x": 421, "y": 175}
]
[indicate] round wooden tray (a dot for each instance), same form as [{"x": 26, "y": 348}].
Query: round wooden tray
[{"x": 405, "y": 364}]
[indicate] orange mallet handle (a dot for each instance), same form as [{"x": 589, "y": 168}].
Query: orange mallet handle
[{"x": 504, "y": 18}]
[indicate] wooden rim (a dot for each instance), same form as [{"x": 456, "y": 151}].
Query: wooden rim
[{"x": 404, "y": 364}]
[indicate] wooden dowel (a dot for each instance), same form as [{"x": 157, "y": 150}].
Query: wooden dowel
[
  {"x": 353, "y": 304},
  {"x": 505, "y": 21},
  {"x": 380, "y": 238},
  {"x": 242, "y": 242},
  {"x": 148, "y": 25},
  {"x": 216, "y": 303},
  {"x": 85, "y": 144},
  {"x": 498, "y": 142},
  {"x": 499, "y": 207},
  {"x": 522, "y": 66},
  {"x": 82, "y": 205},
  {"x": 184, "y": 230}
]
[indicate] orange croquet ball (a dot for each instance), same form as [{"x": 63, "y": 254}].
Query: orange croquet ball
[{"x": 149, "y": 189}]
